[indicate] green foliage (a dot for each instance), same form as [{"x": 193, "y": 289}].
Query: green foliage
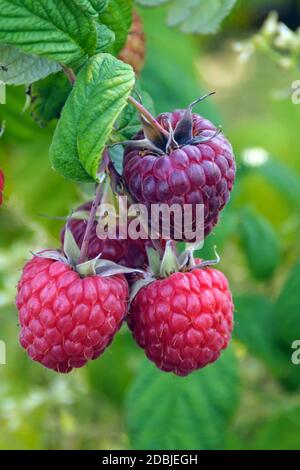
[
  {"x": 195, "y": 16},
  {"x": 279, "y": 432},
  {"x": 97, "y": 99},
  {"x": 260, "y": 244},
  {"x": 254, "y": 314},
  {"x": 56, "y": 29},
  {"x": 288, "y": 307},
  {"x": 48, "y": 97},
  {"x": 168, "y": 412},
  {"x": 118, "y": 18},
  {"x": 94, "y": 7},
  {"x": 129, "y": 122},
  {"x": 283, "y": 179},
  {"x": 106, "y": 37},
  {"x": 23, "y": 68}
]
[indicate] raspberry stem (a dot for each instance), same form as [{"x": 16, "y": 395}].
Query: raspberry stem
[
  {"x": 144, "y": 112},
  {"x": 93, "y": 211},
  {"x": 70, "y": 74}
]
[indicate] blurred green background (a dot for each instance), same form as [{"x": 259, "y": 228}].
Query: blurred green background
[{"x": 250, "y": 399}]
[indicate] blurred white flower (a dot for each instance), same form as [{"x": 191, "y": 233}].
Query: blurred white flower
[{"x": 255, "y": 156}]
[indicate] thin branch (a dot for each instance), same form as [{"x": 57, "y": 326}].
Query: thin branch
[
  {"x": 69, "y": 73},
  {"x": 93, "y": 211},
  {"x": 144, "y": 112}
]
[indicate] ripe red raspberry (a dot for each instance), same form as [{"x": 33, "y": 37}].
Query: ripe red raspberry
[
  {"x": 183, "y": 322},
  {"x": 65, "y": 320},
  {"x": 1, "y": 186},
  {"x": 130, "y": 253},
  {"x": 196, "y": 167},
  {"x": 133, "y": 52}
]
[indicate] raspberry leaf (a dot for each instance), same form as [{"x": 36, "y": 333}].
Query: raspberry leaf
[
  {"x": 260, "y": 244},
  {"x": 93, "y": 7},
  {"x": 105, "y": 38},
  {"x": 118, "y": 18},
  {"x": 151, "y": 3},
  {"x": 48, "y": 97},
  {"x": 21, "y": 68},
  {"x": 198, "y": 16},
  {"x": 287, "y": 309},
  {"x": 255, "y": 315},
  {"x": 192, "y": 412},
  {"x": 98, "y": 97},
  {"x": 58, "y": 30}
]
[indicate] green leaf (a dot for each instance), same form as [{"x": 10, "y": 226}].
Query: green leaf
[
  {"x": 199, "y": 16},
  {"x": 151, "y": 3},
  {"x": 129, "y": 122},
  {"x": 93, "y": 7},
  {"x": 98, "y": 97},
  {"x": 56, "y": 29},
  {"x": 280, "y": 431},
  {"x": 48, "y": 97},
  {"x": 118, "y": 18},
  {"x": 260, "y": 244},
  {"x": 287, "y": 308},
  {"x": 105, "y": 38},
  {"x": 168, "y": 412},
  {"x": 282, "y": 178},
  {"x": 254, "y": 327},
  {"x": 23, "y": 68}
]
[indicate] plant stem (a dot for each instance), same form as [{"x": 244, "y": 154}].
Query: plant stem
[
  {"x": 93, "y": 211},
  {"x": 90, "y": 224},
  {"x": 70, "y": 74},
  {"x": 148, "y": 116}
]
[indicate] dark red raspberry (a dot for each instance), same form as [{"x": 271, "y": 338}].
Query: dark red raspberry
[
  {"x": 200, "y": 171},
  {"x": 133, "y": 52},
  {"x": 65, "y": 320},
  {"x": 130, "y": 253},
  {"x": 1, "y": 186},
  {"x": 185, "y": 321}
]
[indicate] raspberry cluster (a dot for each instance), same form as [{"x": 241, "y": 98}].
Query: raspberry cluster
[{"x": 72, "y": 301}]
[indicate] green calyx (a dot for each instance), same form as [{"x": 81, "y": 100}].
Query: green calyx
[
  {"x": 162, "y": 139},
  {"x": 94, "y": 267},
  {"x": 170, "y": 263}
]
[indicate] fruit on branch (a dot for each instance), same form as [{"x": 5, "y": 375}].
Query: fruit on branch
[
  {"x": 133, "y": 52},
  {"x": 2, "y": 180},
  {"x": 129, "y": 252},
  {"x": 67, "y": 320},
  {"x": 190, "y": 163},
  {"x": 185, "y": 320}
]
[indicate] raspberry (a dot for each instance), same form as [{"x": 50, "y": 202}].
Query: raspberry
[
  {"x": 133, "y": 52},
  {"x": 183, "y": 322},
  {"x": 196, "y": 167},
  {"x": 1, "y": 186},
  {"x": 130, "y": 253},
  {"x": 65, "y": 320}
]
